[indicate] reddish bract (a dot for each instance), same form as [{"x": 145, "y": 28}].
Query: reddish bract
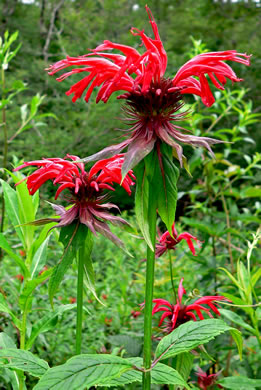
[{"x": 206, "y": 381}]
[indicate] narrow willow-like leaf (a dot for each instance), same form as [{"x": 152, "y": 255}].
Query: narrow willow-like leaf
[
  {"x": 230, "y": 315},
  {"x": 239, "y": 383},
  {"x": 39, "y": 258},
  {"x": 46, "y": 323},
  {"x": 11, "y": 204},
  {"x": 23, "y": 360},
  {"x": 30, "y": 286},
  {"x": 189, "y": 336},
  {"x": 6, "y": 309},
  {"x": 160, "y": 375},
  {"x": 19, "y": 261},
  {"x": 83, "y": 371}
]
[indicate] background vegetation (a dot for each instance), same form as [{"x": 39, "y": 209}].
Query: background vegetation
[{"x": 219, "y": 203}]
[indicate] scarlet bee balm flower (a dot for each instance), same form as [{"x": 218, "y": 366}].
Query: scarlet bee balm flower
[
  {"x": 86, "y": 189},
  {"x": 166, "y": 242},
  {"x": 153, "y": 101},
  {"x": 175, "y": 315}
]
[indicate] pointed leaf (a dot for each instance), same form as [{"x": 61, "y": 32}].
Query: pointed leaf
[
  {"x": 234, "y": 317},
  {"x": 11, "y": 204},
  {"x": 189, "y": 336},
  {"x": 83, "y": 371},
  {"x": 6, "y": 309},
  {"x": 142, "y": 202},
  {"x": 160, "y": 374},
  {"x": 39, "y": 258},
  {"x": 168, "y": 192},
  {"x": 30, "y": 285},
  {"x": 239, "y": 383},
  {"x": 46, "y": 323},
  {"x": 19, "y": 261},
  {"x": 6, "y": 341},
  {"x": 23, "y": 360}
]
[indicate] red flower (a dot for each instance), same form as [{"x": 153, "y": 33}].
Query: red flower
[
  {"x": 135, "y": 314},
  {"x": 86, "y": 190},
  {"x": 167, "y": 242},
  {"x": 205, "y": 381},
  {"x": 175, "y": 315},
  {"x": 152, "y": 100},
  {"x": 72, "y": 300},
  {"x": 19, "y": 277}
]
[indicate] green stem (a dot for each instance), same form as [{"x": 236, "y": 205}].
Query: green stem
[
  {"x": 148, "y": 297},
  {"x": 5, "y": 148},
  {"x": 171, "y": 277},
  {"x": 22, "y": 346},
  {"x": 79, "y": 300}
]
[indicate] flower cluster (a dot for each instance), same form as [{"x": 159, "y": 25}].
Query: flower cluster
[
  {"x": 153, "y": 101},
  {"x": 86, "y": 190},
  {"x": 168, "y": 242},
  {"x": 175, "y": 315}
]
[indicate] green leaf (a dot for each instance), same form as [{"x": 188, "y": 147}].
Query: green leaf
[
  {"x": 83, "y": 371},
  {"x": 167, "y": 188},
  {"x": 251, "y": 192},
  {"x": 239, "y": 382},
  {"x": 39, "y": 258},
  {"x": 46, "y": 323},
  {"x": 160, "y": 374},
  {"x": 27, "y": 207},
  {"x": 68, "y": 237},
  {"x": 183, "y": 364},
  {"x": 142, "y": 202},
  {"x": 25, "y": 297},
  {"x": 6, "y": 341},
  {"x": 19, "y": 261},
  {"x": 230, "y": 315},
  {"x": 11, "y": 204},
  {"x": 237, "y": 337},
  {"x": 5, "y": 309},
  {"x": 189, "y": 336},
  {"x": 88, "y": 268},
  {"x": 255, "y": 277},
  {"x": 23, "y": 360}
]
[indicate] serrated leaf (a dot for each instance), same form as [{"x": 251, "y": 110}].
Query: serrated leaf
[
  {"x": 23, "y": 360},
  {"x": 83, "y": 371},
  {"x": 239, "y": 382},
  {"x": 160, "y": 374},
  {"x": 189, "y": 336},
  {"x": 46, "y": 323}
]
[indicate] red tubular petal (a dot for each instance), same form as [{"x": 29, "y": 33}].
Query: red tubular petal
[
  {"x": 63, "y": 187},
  {"x": 181, "y": 290}
]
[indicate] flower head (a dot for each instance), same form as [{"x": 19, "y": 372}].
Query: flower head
[
  {"x": 175, "y": 315},
  {"x": 153, "y": 101},
  {"x": 166, "y": 242},
  {"x": 86, "y": 190},
  {"x": 206, "y": 381}
]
